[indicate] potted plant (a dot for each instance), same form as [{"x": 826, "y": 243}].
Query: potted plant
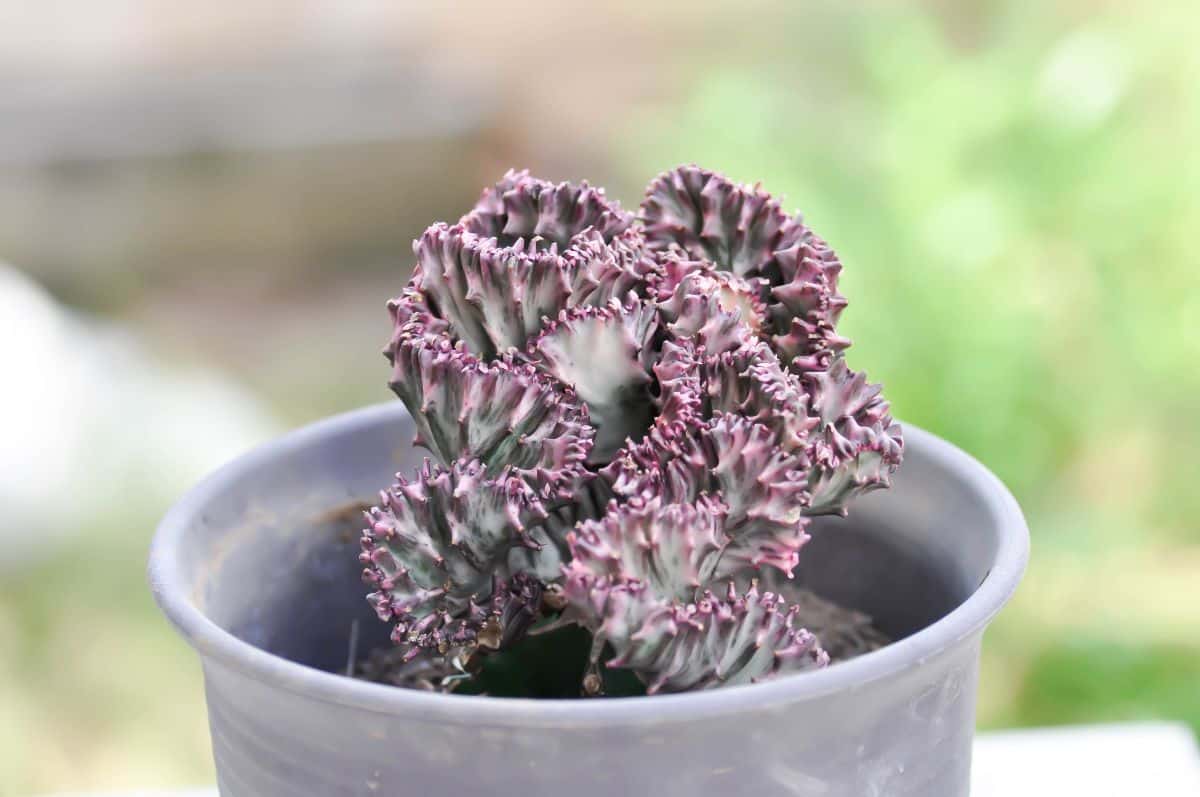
[{"x": 643, "y": 437}]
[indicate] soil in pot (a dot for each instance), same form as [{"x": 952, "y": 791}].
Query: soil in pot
[{"x": 847, "y": 583}]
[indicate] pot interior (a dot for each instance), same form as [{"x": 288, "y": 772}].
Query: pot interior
[{"x": 273, "y": 560}]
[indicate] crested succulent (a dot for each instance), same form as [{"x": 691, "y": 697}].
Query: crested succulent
[{"x": 631, "y": 417}]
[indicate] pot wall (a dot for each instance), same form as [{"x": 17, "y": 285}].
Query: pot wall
[
  {"x": 905, "y": 736},
  {"x": 256, "y": 567}
]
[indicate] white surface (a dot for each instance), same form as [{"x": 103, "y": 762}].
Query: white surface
[{"x": 1151, "y": 759}]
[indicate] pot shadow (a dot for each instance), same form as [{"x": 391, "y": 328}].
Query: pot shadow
[{"x": 866, "y": 569}]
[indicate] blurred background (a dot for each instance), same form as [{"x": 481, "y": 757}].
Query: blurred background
[{"x": 204, "y": 206}]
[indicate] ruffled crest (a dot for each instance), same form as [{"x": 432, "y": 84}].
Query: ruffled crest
[{"x": 631, "y": 415}]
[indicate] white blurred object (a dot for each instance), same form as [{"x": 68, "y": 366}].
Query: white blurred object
[
  {"x": 90, "y": 422},
  {"x": 1154, "y": 759}
]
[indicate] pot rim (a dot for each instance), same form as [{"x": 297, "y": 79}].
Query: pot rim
[{"x": 174, "y": 596}]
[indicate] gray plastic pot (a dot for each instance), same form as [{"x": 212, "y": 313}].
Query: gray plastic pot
[{"x": 256, "y": 567}]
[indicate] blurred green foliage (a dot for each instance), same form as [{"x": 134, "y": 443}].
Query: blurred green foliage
[
  {"x": 1085, "y": 680},
  {"x": 1015, "y": 191}
]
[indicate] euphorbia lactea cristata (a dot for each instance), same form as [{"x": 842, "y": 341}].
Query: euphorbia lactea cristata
[{"x": 630, "y": 416}]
